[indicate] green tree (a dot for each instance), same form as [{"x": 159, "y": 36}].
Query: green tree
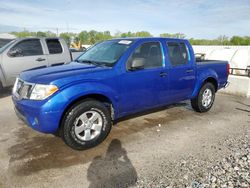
[
  {"x": 66, "y": 37},
  {"x": 137, "y": 34},
  {"x": 50, "y": 34},
  {"x": 174, "y": 35},
  {"x": 223, "y": 40},
  {"x": 41, "y": 34},
  {"x": 128, "y": 34},
  {"x": 24, "y": 33},
  {"x": 92, "y": 37},
  {"x": 27, "y": 33},
  {"x": 143, "y": 34},
  {"x": 237, "y": 40},
  {"x": 84, "y": 37}
]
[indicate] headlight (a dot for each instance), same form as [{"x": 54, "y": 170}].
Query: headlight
[{"x": 41, "y": 92}]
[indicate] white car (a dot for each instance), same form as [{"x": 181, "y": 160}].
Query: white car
[{"x": 31, "y": 53}]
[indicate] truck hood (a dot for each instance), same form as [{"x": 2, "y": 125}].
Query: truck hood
[{"x": 62, "y": 75}]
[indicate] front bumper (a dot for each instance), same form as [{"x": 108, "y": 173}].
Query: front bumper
[{"x": 38, "y": 115}]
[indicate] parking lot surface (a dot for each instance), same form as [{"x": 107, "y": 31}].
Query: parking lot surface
[{"x": 172, "y": 146}]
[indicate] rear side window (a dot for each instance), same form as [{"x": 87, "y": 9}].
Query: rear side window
[
  {"x": 29, "y": 47},
  {"x": 151, "y": 52},
  {"x": 54, "y": 46},
  {"x": 177, "y": 53}
]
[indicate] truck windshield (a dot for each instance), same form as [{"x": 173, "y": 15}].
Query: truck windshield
[
  {"x": 105, "y": 53},
  {"x": 6, "y": 46}
]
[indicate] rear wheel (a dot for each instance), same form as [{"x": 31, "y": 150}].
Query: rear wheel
[
  {"x": 203, "y": 102},
  {"x": 86, "y": 125}
]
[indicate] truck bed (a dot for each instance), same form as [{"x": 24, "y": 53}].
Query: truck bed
[{"x": 217, "y": 66}]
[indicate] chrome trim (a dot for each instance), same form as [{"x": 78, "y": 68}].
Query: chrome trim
[
  {"x": 226, "y": 84},
  {"x": 16, "y": 94}
]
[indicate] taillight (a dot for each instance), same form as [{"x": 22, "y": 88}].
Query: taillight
[{"x": 228, "y": 69}]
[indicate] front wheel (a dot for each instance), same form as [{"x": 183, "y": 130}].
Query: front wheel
[
  {"x": 86, "y": 125},
  {"x": 203, "y": 102}
]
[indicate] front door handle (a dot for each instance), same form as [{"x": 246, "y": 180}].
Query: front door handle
[
  {"x": 40, "y": 59},
  {"x": 189, "y": 70},
  {"x": 163, "y": 74}
]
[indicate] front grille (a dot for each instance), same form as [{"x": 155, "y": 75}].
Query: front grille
[{"x": 22, "y": 89}]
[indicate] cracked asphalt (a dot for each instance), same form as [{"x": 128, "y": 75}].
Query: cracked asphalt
[{"x": 168, "y": 147}]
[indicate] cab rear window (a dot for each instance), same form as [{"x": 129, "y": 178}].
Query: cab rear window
[
  {"x": 177, "y": 53},
  {"x": 54, "y": 46}
]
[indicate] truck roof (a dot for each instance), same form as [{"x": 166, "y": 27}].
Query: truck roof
[
  {"x": 38, "y": 38},
  {"x": 147, "y": 38}
]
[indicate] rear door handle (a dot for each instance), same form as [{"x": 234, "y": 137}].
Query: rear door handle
[
  {"x": 163, "y": 74},
  {"x": 40, "y": 59},
  {"x": 189, "y": 70}
]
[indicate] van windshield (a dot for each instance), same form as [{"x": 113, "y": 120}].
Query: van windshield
[
  {"x": 105, "y": 53},
  {"x": 6, "y": 46}
]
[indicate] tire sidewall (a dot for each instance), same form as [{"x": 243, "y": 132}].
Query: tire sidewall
[
  {"x": 68, "y": 128},
  {"x": 1, "y": 86},
  {"x": 204, "y": 87}
]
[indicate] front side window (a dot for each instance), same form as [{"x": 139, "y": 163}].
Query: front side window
[
  {"x": 54, "y": 46},
  {"x": 177, "y": 53},
  {"x": 3, "y": 48},
  {"x": 29, "y": 47},
  {"x": 150, "y": 52}
]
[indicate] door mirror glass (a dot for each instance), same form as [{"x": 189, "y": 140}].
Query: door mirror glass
[
  {"x": 138, "y": 63},
  {"x": 15, "y": 52}
]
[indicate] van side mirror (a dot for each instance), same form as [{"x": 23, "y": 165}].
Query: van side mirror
[
  {"x": 138, "y": 63},
  {"x": 15, "y": 52}
]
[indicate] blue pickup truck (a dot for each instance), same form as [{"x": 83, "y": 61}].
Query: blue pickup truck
[{"x": 115, "y": 78}]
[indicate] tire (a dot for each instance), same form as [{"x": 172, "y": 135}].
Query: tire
[
  {"x": 1, "y": 88},
  {"x": 203, "y": 102},
  {"x": 86, "y": 125}
]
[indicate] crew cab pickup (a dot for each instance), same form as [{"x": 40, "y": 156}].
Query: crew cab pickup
[
  {"x": 112, "y": 79},
  {"x": 31, "y": 53}
]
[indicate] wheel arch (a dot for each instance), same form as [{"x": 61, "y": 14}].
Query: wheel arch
[
  {"x": 208, "y": 79},
  {"x": 212, "y": 81},
  {"x": 95, "y": 96},
  {"x": 1, "y": 85}
]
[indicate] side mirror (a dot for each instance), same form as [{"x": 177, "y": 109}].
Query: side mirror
[
  {"x": 138, "y": 63},
  {"x": 83, "y": 49},
  {"x": 15, "y": 52}
]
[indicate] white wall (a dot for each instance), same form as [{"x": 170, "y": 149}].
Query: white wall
[
  {"x": 238, "y": 85},
  {"x": 238, "y": 56}
]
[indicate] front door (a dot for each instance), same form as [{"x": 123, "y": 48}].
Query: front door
[
  {"x": 141, "y": 88},
  {"x": 25, "y": 55}
]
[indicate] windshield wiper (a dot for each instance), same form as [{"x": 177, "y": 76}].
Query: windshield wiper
[{"x": 93, "y": 62}]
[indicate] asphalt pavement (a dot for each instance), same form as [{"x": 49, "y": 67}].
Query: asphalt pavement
[{"x": 168, "y": 147}]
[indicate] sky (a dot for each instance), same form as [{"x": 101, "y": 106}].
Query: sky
[{"x": 195, "y": 18}]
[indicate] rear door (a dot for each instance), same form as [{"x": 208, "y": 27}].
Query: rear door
[
  {"x": 25, "y": 55},
  {"x": 181, "y": 71},
  {"x": 57, "y": 54}
]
